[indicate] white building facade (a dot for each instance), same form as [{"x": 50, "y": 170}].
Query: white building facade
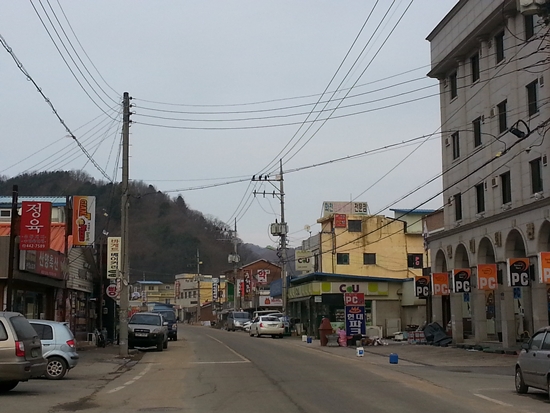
[{"x": 490, "y": 63}]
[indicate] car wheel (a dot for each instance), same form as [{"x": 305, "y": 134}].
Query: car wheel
[
  {"x": 258, "y": 333},
  {"x": 56, "y": 368},
  {"x": 280, "y": 336},
  {"x": 160, "y": 345},
  {"x": 175, "y": 338},
  {"x": 6, "y": 386},
  {"x": 521, "y": 387},
  {"x": 250, "y": 333},
  {"x": 165, "y": 344}
]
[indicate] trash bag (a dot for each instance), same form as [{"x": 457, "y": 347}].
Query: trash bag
[{"x": 435, "y": 334}]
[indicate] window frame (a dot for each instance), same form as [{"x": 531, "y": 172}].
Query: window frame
[
  {"x": 529, "y": 26},
  {"x": 480, "y": 198},
  {"x": 474, "y": 67},
  {"x": 476, "y": 127},
  {"x": 502, "y": 116},
  {"x": 355, "y": 225},
  {"x": 340, "y": 258},
  {"x": 499, "y": 47},
  {"x": 369, "y": 258},
  {"x": 532, "y": 97},
  {"x": 455, "y": 137},
  {"x": 458, "y": 206},
  {"x": 453, "y": 83},
  {"x": 506, "y": 187},
  {"x": 535, "y": 167}
]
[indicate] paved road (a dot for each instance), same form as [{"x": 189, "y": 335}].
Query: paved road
[{"x": 210, "y": 370}]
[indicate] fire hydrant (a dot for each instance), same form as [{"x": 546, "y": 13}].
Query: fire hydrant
[{"x": 325, "y": 329}]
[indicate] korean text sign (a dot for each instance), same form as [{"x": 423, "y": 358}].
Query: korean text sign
[{"x": 35, "y": 226}]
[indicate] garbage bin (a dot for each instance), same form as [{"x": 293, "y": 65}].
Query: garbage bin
[{"x": 325, "y": 329}]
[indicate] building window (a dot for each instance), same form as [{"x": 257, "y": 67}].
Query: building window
[
  {"x": 454, "y": 85},
  {"x": 502, "y": 123},
  {"x": 480, "y": 198},
  {"x": 474, "y": 66},
  {"x": 185, "y": 294},
  {"x": 529, "y": 23},
  {"x": 194, "y": 294},
  {"x": 506, "y": 186},
  {"x": 5, "y": 213},
  {"x": 456, "y": 145},
  {"x": 342, "y": 258},
  {"x": 414, "y": 260},
  {"x": 150, "y": 288},
  {"x": 536, "y": 175},
  {"x": 476, "y": 126},
  {"x": 458, "y": 206},
  {"x": 499, "y": 46},
  {"x": 532, "y": 92},
  {"x": 369, "y": 258},
  {"x": 354, "y": 225}
]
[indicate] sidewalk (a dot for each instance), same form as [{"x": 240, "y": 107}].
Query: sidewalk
[{"x": 426, "y": 355}]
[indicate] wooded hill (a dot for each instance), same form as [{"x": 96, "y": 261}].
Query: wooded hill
[{"x": 164, "y": 233}]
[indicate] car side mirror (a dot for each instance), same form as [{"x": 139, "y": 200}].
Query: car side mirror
[
  {"x": 165, "y": 323},
  {"x": 525, "y": 346}
]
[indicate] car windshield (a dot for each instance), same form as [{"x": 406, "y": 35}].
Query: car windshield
[
  {"x": 150, "y": 320},
  {"x": 242, "y": 315},
  {"x": 168, "y": 315},
  {"x": 269, "y": 318}
]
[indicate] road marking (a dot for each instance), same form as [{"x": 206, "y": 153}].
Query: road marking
[
  {"x": 219, "y": 362},
  {"x": 492, "y": 400},
  {"x": 129, "y": 382},
  {"x": 230, "y": 349},
  {"x": 139, "y": 376},
  {"x": 116, "y": 389}
]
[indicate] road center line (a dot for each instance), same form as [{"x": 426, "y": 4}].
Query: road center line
[
  {"x": 230, "y": 349},
  {"x": 492, "y": 400},
  {"x": 219, "y": 362}
]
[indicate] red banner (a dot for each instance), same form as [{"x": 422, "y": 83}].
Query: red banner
[
  {"x": 354, "y": 299},
  {"x": 35, "y": 226},
  {"x": 340, "y": 221}
]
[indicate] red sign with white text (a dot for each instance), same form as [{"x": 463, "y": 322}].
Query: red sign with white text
[
  {"x": 354, "y": 299},
  {"x": 34, "y": 233}
]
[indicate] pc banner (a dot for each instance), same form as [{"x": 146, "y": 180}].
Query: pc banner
[
  {"x": 487, "y": 277},
  {"x": 544, "y": 267},
  {"x": 355, "y": 320},
  {"x": 461, "y": 280},
  {"x": 440, "y": 283},
  {"x": 422, "y": 286},
  {"x": 518, "y": 272}
]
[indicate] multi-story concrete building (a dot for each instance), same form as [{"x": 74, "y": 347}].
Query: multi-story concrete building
[{"x": 491, "y": 67}]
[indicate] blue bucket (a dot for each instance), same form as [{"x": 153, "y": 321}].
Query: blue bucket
[
  {"x": 394, "y": 358},
  {"x": 309, "y": 340}
]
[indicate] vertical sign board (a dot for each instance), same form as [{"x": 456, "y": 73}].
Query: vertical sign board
[
  {"x": 544, "y": 267},
  {"x": 83, "y": 220},
  {"x": 518, "y": 272},
  {"x": 247, "y": 283},
  {"x": 215, "y": 286},
  {"x": 440, "y": 283},
  {"x": 487, "y": 277},
  {"x": 304, "y": 261},
  {"x": 113, "y": 257},
  {"x": 34, "y": 232},
  {"x": 461, "y": 280},
  {"x": 355, "y": 313},
  {"x": 422, "y": 286}
]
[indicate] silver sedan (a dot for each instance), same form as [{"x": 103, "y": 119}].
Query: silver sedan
[
  {"x": 533, "y": 364},
  {"x": 267, "y": 325}
]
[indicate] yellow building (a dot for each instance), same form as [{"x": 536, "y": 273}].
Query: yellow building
[{"x": 154, "y": 291}]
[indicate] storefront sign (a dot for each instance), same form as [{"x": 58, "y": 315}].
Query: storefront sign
[
  {"x": 111, "y": 291},
  {"x": 247, "y": 284},
  {"x": 34, "y": 232},
  {"x": 422, "y": 286},
  {"x": 355, "y": 320},
  {"x": 113, "y": 257},
  {"x": 440, "y": 283},
  {"x": 544, "y": 267},
  {"x": 261, "y": 276},
  {"x": 487, "y": 277},
  {"x": 304, "y": 261},
  {"x": 51, "y": 264},
  {"x": 461, "y": 280},
  {"x": 354, "y": 299},
  {"x": 215, "y": 287},
  {"x": 518, "y": 272},
  {"x": 267, "y": 301},
  {"x": 346, "y": 207},
  {"x": 177, "y": 289},
  {"x": 83, "y": 220},
  {"x": 340, "y": 221}
]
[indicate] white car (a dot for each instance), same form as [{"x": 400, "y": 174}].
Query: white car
[
  {"x": 246, "y": 325},
  {"x": 267, "y": 325}
]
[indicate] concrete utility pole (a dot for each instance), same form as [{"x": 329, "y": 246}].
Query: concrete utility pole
[
  {"x": 283, "y": 236},
  {"x": 125, "y": 270},
  {"x": 235, "y": 265},
  {"x": 198, "y": 287},
  {"x": 11, "y": 254}
]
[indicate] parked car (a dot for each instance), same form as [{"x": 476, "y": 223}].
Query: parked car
[
  {"x": 171, "y": 319},
  {"x": 533, "y": 363},
  {"x": 148, "y": 330},
  {"x": 236, "y": 319},
  {"x": 20, "y": 351},
  {"x": 58, "y": 347},
  {"x": 283, "y": 318},
  {"x": 267, "y": 325}
]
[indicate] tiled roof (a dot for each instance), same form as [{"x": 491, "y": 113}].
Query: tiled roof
[{"x": 57, "y": 235}]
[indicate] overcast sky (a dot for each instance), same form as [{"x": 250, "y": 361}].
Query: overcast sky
[{"x": 224, "y": 89}]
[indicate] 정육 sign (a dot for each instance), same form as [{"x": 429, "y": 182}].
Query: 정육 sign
[
  {"x": 518, "y": 272},
  {"x": 34, "y": 232},
  {"x": 113, "y": 257}
]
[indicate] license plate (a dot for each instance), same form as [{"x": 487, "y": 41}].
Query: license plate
[
  {"x": 273, "y": 325},
  {"x": 34, "y": 352},
  {"x": 141, "y": 334}
]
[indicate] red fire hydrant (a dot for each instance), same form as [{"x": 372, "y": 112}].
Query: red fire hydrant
[{"x": 325, "y": 329}]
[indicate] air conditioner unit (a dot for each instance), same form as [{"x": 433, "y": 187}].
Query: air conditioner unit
[
  {"x": 494, "y": 181},
  {"x": 492, "y": 112},
  {"x": 445, "y": 83}
]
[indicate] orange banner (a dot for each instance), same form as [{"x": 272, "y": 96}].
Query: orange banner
[
  {"x": 487, "y": 277},
  {"x": 440, "y": 283},
  {"x": 544, "y": 267}
]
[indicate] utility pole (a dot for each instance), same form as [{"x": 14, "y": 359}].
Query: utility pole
[
  {"x": 125, "y": 270},
  {"x": 198, "y": 287},
  {"x": 235, "y": 259},
  {"x": 278, "y": 229},
  {"x": 13, "y": 235}
]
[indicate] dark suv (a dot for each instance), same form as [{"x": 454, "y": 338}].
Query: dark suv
[{"x": 170, "y": 317}]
